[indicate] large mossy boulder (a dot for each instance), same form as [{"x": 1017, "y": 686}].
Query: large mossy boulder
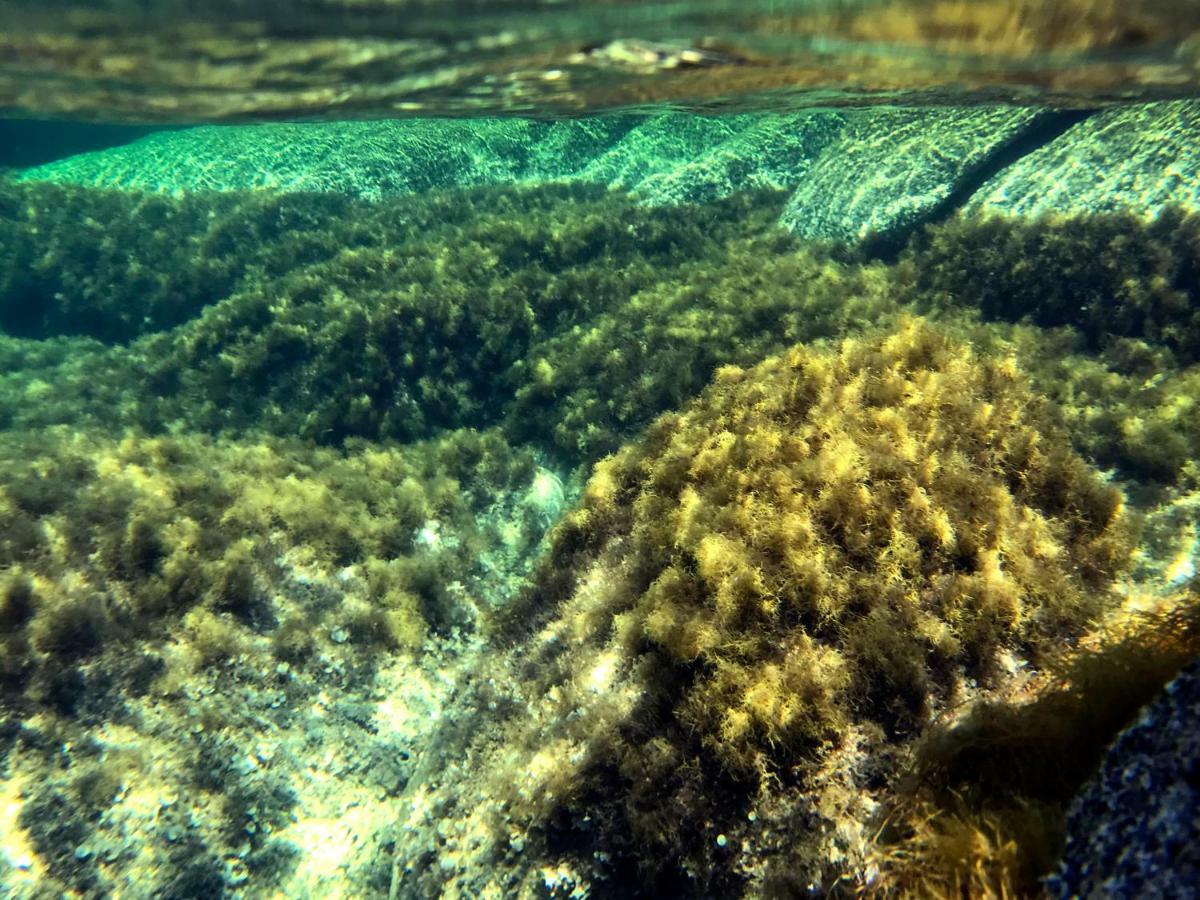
[{"x": 756, "y": 605}]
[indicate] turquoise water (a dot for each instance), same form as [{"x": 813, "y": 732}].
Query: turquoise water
[{"x": 598, "y": 450}]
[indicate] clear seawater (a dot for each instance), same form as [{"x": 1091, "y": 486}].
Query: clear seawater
[{"x": 560, "y": 449}]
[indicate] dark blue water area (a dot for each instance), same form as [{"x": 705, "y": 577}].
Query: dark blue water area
[{"x": 31, "y": 142}]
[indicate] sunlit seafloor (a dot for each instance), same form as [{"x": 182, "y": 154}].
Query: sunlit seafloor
[{"x": 779, "y": 478}]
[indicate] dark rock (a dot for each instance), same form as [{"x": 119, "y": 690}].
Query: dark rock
[{"x": 1134, "y": 830}]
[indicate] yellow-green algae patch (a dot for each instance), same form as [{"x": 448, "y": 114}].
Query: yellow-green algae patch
[
  {"x": 756, "y": 606},
  {"x": 901, "y": 503},
  {"x": 185, "y": 620},
  {"x": 114, "y": 540},
  {"x": 1106, "y": 319}
]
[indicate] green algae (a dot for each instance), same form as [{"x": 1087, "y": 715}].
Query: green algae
[
  {"x": 320, "y": 433},
  {"x": 116, "y": 541},
  {"x": 1110, "y": 277},
  {"x": 332, "y": 318},
  {"x": 85, "y": 263},
  {"x": 1105, "y": 317},
  {"x": 797, "y": 570},
  {"x": 140, "y": 572},
  {"x": 392, "y": 320}
]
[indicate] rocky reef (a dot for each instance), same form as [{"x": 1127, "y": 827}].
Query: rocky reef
[
  {"x": 538, "y": 538},
  {"x": 755, "y": 610},
  {"x": 1110, "y": 849}
]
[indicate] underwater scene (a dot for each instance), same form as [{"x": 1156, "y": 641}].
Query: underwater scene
[{"x": 532, "y": 449}]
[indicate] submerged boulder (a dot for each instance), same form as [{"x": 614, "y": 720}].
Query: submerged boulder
[
  {"x": 891, "y": 169},
  {"x": 877, "y": 172},
  {"x": 751, "y": 613},
  {"x": 1137, "y": 159},
  {"x": 666, "y": 157},
  {"x": 872, "y": 171}
]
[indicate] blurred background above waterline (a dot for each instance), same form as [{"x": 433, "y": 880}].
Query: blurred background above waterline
[{"x": 239, "y": 60}]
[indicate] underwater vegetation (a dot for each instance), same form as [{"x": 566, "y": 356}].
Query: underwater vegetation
[
  {"x": 770, "y": 593},
  {"x": 826, "y": 523},
  {"x": 982, "y": 807},
  {"x": 326, "y": 318},
  {"x": 136, "y": 572},
  {"x": 663, "y": 345},
  {"x": 85, "y": 263},
  {"x": 1110, "y": 277},
  {"x": 1116, "y": 302},
  {"x": 843, "y": 551},
  {"x": 388, "y": 321},
  {"x": 113, "y": 542}
]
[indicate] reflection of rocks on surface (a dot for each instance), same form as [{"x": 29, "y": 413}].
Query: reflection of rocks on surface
[
  {"x": 229, "y": 60},
  {"x": 1135, "y": 829}
]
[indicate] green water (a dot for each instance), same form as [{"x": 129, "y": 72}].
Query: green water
[{"x": 598, "y": 450}]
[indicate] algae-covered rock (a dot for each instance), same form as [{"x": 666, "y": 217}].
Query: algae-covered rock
[
  {"x": 113, "y": 544},
  {"x": 755, "y": 605},
  {"x": 663, "y": 345},
  {"x": 188, "y": 625},
  {"x": 815, "y": 497},
  {"x": 570, "y": 314},
  {"x": 330, "y": 317},
  {"x": 1139, "y": 159},
  {"x": 271, "y": 483},
  {"x": 1109, "y": 275},
  {"x": 1106, "y": 316},
  {"x": 890, "y": 169},
  {"x": 113, "y": 266}
]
